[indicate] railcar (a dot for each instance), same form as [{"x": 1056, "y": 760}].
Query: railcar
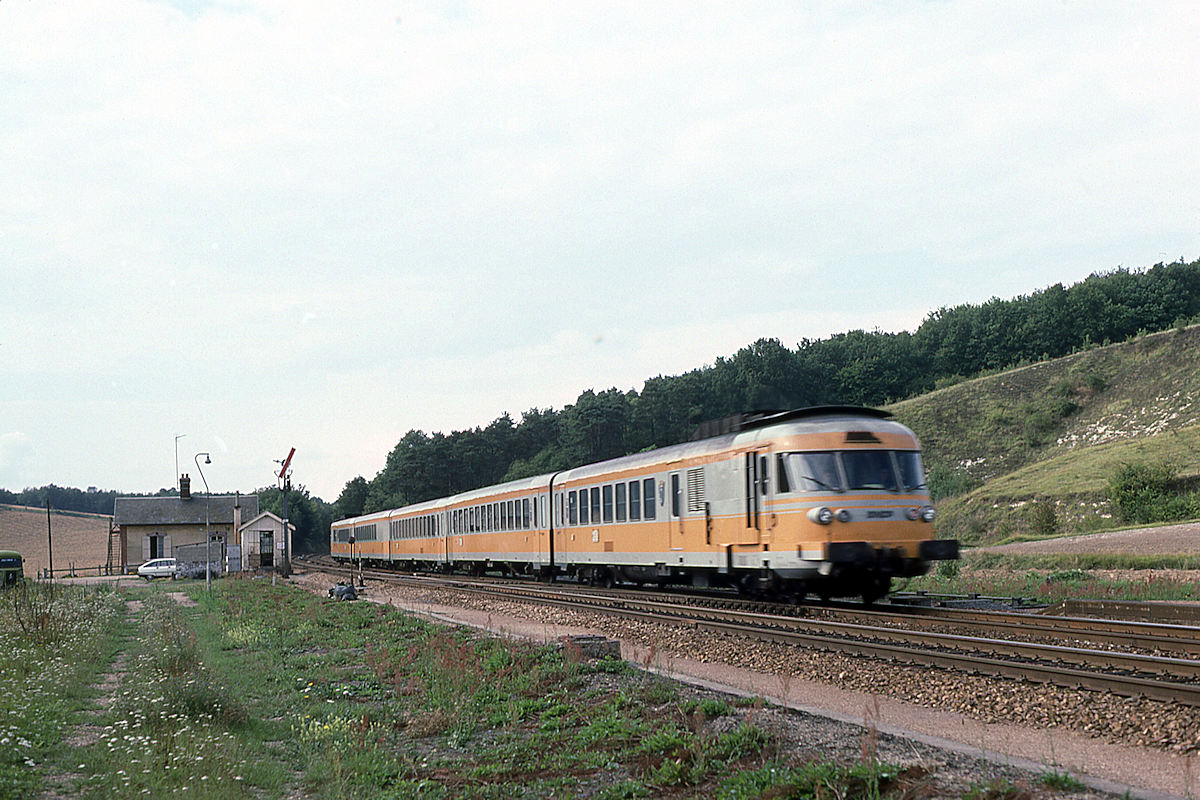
[
  {"x": 828, "y": 500},
  {"x": 12, "y": 568}
]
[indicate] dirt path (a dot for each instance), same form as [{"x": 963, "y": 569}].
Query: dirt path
[
  {"x": 1165, "y": 540},
  {"x": 59, "y": 785}
]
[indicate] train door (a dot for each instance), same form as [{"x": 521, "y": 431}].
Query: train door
[
  {"x": 757, "y": 474},
  {"x": 675, "y": 510}
]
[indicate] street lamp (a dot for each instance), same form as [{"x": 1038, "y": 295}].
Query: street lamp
[{"x": 207, "y": 536}]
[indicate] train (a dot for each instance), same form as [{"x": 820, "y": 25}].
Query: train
[{"x": 828, "y": 501}]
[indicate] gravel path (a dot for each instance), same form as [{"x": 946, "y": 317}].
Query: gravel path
[
  {"x": 1167, "y": 540},
  {"x": 1147, "y": 748}
]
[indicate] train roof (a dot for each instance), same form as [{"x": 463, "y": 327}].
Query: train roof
[
  {"x": 739, "y": 430},
  {"x": 521, "y": 484},
  {"x": 735, "y": 423},
  {"x": 750, "y": 428}
]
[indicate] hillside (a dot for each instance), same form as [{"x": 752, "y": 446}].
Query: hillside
[
  {"x": 1041, "y": 442},
  {"x": 79, "y": 539}
]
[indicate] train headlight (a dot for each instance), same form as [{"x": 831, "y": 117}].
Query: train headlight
[
  {"x": 913, "y": 514},
  {"x": 928, "y": 513},
  {"x": 843, "y": 515},
  {"x": 821, "y": 516}
]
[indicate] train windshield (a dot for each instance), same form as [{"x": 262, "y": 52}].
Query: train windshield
[
  {"x": 850, "y": 470},
  {"x": 912, "y": 474},
  {"x": 809, "y": 472},
  {"x": 869, "y": 469}
]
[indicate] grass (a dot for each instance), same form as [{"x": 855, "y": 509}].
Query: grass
[
  {"x": 53, "y": 642},
  {"x": 271, "y": 692}
]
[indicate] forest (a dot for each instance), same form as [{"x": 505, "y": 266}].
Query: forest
[{"x": 858, "y": 367}]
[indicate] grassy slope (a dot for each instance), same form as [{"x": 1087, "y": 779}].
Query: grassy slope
[{"x": 1054, "y": 433}]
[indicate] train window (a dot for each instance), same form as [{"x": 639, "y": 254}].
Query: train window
[
  {"x": 506, "y": 515},
  {"x": 648, "y": 498},
  {"x": 526, "y": 520},
  {"x": 912, "y": 476},
  {"x": 595, "y": 505},
  {"x": 558, "y": 508},
  {"x": 578, "y": 510},
  {"x": 813, "y": 472},
  {"x": 607, "y": 492},
  {"x": 676, "y": 495},
  {"x": 635, "y": 501},
  {"x": 620, "y": 487},
  {"x": 763, "y": 474},
  {"x": 514, "y": 508},
  {"x": 869, "y": 469}
]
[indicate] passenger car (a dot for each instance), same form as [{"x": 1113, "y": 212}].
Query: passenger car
[{"x": 157, "y": 568}]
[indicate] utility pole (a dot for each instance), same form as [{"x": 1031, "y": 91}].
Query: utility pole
[
  {"x": 49, "y": 538},
  {"x": 178, "y": 436}
]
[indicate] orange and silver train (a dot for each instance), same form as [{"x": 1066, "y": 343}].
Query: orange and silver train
[{"x": 828, "y": 500}]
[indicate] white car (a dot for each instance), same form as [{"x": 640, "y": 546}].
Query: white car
[{"x": 157, "y": 568}]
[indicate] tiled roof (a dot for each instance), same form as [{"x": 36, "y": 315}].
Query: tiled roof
[{"x": 174, "y": 511}]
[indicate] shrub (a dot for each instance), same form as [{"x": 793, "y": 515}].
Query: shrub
[
  {"x": 949, "y": 482},
  {"x": 1145, "y": 493},
  {"x": 1044, "y": 518}
]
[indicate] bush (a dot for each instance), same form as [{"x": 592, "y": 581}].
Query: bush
[
  {"x": 1145, "y": 493},
  {"x": 1044, "y": 518},
  {"x": 947, "y": 482}
]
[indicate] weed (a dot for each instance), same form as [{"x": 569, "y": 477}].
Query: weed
[
  {"x": 998, "y": 789},
  {"x": 1062, "y": 781}
]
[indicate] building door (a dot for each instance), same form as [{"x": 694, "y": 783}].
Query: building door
[{"x": 266, "y": 549}]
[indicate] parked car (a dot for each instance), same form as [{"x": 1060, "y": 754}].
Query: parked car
[{"x": 157, "y": 568}]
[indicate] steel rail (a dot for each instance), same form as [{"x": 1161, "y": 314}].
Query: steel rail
[
  {"x": 1162, "y": 635},
  {"x": 1136, "y": 635},
  {"x": 1037, "y": 671}
]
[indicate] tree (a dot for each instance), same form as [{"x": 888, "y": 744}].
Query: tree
[{"x": 353, "y": 499}]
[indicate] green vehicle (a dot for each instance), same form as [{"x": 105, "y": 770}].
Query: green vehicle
[{"x": 12, "y": 568}]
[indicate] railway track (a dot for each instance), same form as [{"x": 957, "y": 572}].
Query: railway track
[{"x": 1003, "y": 644}]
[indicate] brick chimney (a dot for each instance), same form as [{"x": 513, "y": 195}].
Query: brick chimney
[{"x": 185, "y": 487}]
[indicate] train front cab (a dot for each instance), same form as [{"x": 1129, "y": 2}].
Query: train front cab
[{"x": 844, "y": 507}]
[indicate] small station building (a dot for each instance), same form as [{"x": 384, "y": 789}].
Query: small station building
[{"x": 154, "y": 527}]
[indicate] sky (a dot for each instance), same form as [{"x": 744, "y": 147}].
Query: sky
[{"x": 240, "y": 227}]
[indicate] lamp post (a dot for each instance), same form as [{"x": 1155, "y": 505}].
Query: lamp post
[{"x": 207, "y": 536}]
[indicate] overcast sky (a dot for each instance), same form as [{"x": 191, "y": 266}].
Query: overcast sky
[{"x": 266, "y": 224}]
